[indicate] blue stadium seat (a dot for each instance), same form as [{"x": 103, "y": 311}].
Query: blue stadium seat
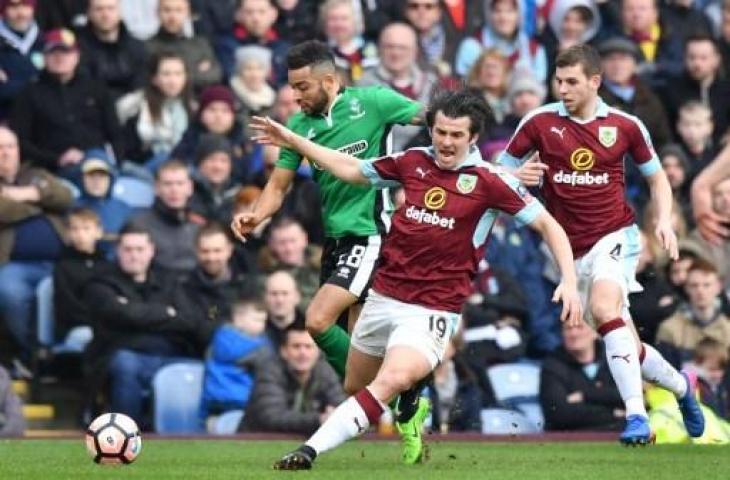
[
  {"x": 515, "y": 382},
  {"x": 134, "y": 192},
  {"x": 227, "y": 424},
  {"x": 533, "y": 411},
  {"x": 177, "y": 389},
  {"x": 76, "y": 339},
  {"x": 498, "y": 421}
]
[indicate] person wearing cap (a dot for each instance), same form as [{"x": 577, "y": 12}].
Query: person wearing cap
[
  {"x": 202, "y": 63},
  {"x": 32, "y": 234},
  {"x": 253, "y": 67},
  {"x": 624, "y": 89},
  {"x": 108, "y": 52},
  {"x": 217, "y": 114},
  {"x": 63, "y": 113},
  {"x": 254, "y": 25},
  {"x": 524, "y": 94},
  {"x": 97, "y": 182},
  {"x": 215, "y": 191},
  {"x": 21, "y": 50}
]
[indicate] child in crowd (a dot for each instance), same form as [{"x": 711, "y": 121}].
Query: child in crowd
[
  {"x": 695, "y": 127},
  {"x": 711, "y": 360},
  {"x": 231, "y": 357},
  {"x": 80, "y": 262},
  {"x": 253, "y": 67}
]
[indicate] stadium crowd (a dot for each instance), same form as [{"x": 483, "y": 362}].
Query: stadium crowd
[{"x": 124, "y": 153}]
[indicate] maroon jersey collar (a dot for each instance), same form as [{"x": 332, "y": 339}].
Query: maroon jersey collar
[{"x": 601, "y": 111}]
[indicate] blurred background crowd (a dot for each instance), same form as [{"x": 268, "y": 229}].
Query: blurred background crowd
[{"x": 124, "y": 154}]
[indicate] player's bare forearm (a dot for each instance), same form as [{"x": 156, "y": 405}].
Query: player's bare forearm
[
  {"x": 274, "y": 192},
  {"x": 556, "y": 239},
  {"x": 661, "y": 196},
  {"x": 342, "y": 165}
]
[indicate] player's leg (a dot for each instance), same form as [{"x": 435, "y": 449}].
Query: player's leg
[
  {"x": 402, "y": 367},
  {"x": 606, "y": 305},
  {"x": 347, "y": 269},
  {"x": 655, "y": 369},
  {"x": 321, "y": 317}
]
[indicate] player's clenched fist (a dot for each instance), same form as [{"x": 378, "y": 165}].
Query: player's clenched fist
[
  {"x": 532, "y": 171},
  {"x": 243, "y": 224}
]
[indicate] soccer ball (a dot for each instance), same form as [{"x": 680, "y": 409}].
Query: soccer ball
[{"x": 113, "y": 438}]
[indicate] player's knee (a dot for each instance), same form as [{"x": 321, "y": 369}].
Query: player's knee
[
  {"x": 352, "y": 385},
  {"x": 603, "y": 311},
  {"x": 316, "y": 322},
  {"x": 395, "y": 381}
]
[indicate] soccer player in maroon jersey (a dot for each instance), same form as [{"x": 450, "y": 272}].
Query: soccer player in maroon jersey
[
  {"x": 582, "y": 143},
  {"x": 428, "y": 259}
]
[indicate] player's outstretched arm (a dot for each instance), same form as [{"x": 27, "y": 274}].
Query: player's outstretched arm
[
  {"x": 343, "y": 166},
  {"x": 661, "y": 197},
  {"x": 267, "y": 204},
  {"x": 712, "y": 226},
  {"x": 556, "y": 239}
]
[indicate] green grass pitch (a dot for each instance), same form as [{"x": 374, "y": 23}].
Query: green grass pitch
[{"x": 361, "y": 460}]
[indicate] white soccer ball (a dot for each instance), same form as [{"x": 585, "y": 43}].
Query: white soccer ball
[{"x": 113, "y": 438}]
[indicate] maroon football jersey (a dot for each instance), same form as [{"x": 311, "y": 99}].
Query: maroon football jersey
[
  {"x": 584, "y": 186},
  {"x": 438, "y": 236}
]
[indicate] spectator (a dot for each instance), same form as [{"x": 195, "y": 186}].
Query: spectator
[
  {"x": 686, "y": 18},
  {"x": 138, "y": 328},
  {"x": 21, "y": 50},
  {"x": 215, "y": 191},
  {"x": 577, "y": 391},
  {"x": 215, "y": 284},
  {"x": 622, "y": 88},
  {"x": 32, "y": 234},
  {"x": 81, "y": 261},
  {"x": 490, "y": 73},
  {"x": 64, "y": 113},
  {"x": 169, "y": 221},
  {"x": 399, "y": 70},
  {"x": 660, "y": 46},
  {"x": 676, "y": 165},
  {"x": 217, "y": 115},
  {"x": 285, "y": 105},
  {"x": 140, "y": 17},
  {"x": 294, "y": 392},
  {"x": 295, "y": 19},
  {"x": 464, "y": 17},
  {"x": 156, "y": 117},
  {"x": 343, "y": 31},
  {"x": 12, "y": 422},
  {"x": 97, "y": 183},
  {"x": 701, "y": 80},
  {"x": 493, "y": 318},
  {"x": 253, "y": 67},
  {"x": 524, "y": 94},
  {"x": 202, "y": 64},
  {"x": 254, "y": 25},
  {"x": 54, "y": 14},
  {"x": 570, "y": 22},
  {"x": 502, "y": 31},
  {"x": 724, "y": 36},
  {"x": 657, "y": 300},
  {"x": 700, "y": 317},
  {"x": 694, "y": 125},
  {"x": 234, "y": 352},
  {"x": 718, "y": 254},
  {"x": 213, "y": 18},
  {"x": 281, "y": 297},
  {"x": 109, "y": 54},
  {"x": 711, "y": 360},
  {"x": 437, "y": 44},
  {"x": 677, "y": 270},
  {"x": 288, "y": 248}
]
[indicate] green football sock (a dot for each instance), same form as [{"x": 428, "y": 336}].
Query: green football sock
[{"x": 335, "y": 343}]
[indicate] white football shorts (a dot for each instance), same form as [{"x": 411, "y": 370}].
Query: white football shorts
[
  {"x": 386, "y": 322},
  {"x": 614, "y": 257}
]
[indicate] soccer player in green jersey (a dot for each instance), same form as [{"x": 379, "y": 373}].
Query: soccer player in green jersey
[{"x": 356, "y": 217}]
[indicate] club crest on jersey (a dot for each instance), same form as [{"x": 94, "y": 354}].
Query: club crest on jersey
[
  {"x": 356, "y": 110},
  {"x": 607, "y": 136},
  {"x": 466, "y": 183}
]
